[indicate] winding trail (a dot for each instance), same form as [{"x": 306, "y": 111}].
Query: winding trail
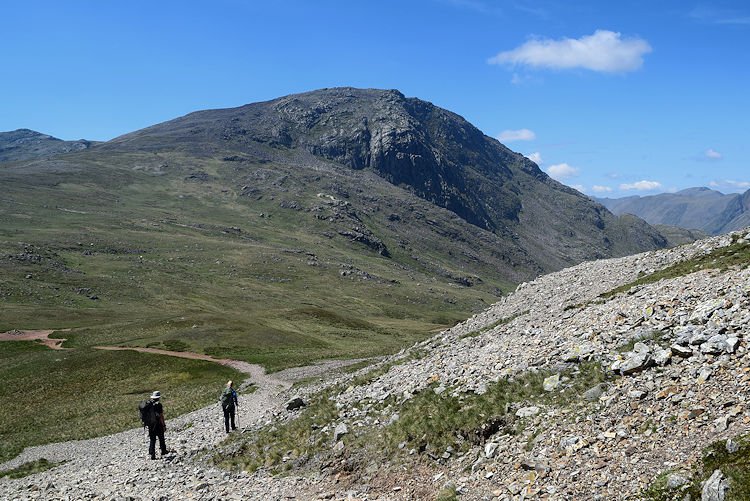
[{"x": 116, "y": 466}]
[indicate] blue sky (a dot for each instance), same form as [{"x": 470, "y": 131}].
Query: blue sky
[{"x": 613, "y": 98}]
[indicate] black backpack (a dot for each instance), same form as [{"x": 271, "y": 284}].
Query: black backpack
[
  {"x": 227, "y": 399},
  {"x": 147, "y": 409}
]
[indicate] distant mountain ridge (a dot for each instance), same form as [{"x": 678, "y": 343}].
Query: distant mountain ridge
[
  {"x": 694, "y": 208},
  {"x": 26, "y": 144}
]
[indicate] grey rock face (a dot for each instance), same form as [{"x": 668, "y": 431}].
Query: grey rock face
[
  {"x": 593, "y": 394},
  {"x": 716, "y": 345},
  {"x": 681, "y": 351},
  {"x": 551, "y": 383},
  {"x": 635, "y": 363},
  {"x": 715, "y": 488},
  {"x": 340, "y": 431},
  {"x": 294, "y": 403},
  {"x": 429, "y": 152}
]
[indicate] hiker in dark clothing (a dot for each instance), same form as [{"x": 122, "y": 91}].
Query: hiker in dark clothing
[
  {"x": 156, "y": 426},
  {"x": 228, "y": 405}
]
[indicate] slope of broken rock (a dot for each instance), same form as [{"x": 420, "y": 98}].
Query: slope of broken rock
[{"x": 674, "y": 365}]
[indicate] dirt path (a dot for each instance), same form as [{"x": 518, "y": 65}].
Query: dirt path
[
  {"x": 178, "y": 354},
  {"x": 284, "y": 378},
  {"x": 116, "y": 465},
  {"x": 39, "y": 335}
]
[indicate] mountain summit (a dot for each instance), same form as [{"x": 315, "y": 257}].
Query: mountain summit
[{"x": 428, "y": 151}]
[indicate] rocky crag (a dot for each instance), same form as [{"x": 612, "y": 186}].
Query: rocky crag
[
  {"x": 605, "y": 393},
  {"x": 540, "y": 225},
  {"x": 25, "y": 144}
]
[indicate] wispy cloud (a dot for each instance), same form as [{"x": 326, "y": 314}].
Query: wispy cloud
[
  {"x": 508, "y": 136},
  {"x": 601, "y": 189},
  {"x": 535, "y": 157},
  {"x": 641, "y": 186},
  {"x": 604, "y": 51},
  {"x": 730, "y": 185},
  {"x": 562, "y": 171},
  {"x": 477, "y": 6},
  {"x": 712, "y": 154},
  {"x": 713, "y": 15},
  {"x": 578, "y": 187}
]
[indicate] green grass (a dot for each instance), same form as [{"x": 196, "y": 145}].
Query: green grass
[
  {"x": 29, "y": 468},
  {"x": 447, "y": 494},
  {"x": 125, "y": 257},
  {"x": 156, "y": 254},
  {"x": 734, "y": 255},
  {"x": 431, "y": 422},
  {"x": 77, "y": 394},
  {"x": 654, "y": 335},
  {"x": 493, "y": 325},
  {"x": 428, "y": 423},
  {"x": 735, "y": 467},
  {"x": 297, "y": 440}
]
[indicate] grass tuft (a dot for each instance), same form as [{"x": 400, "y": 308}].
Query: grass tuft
[
  {"x": 493, "y": 325},
  {"x": 735, "y": 466},
  {"x": 428, "y": 423},
  {"x": 734, "y": 255},
  {"x": 29, "y": 468}
]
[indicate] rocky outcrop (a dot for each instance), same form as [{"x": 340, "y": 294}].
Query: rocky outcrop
[{"x": 25, "y": 144}]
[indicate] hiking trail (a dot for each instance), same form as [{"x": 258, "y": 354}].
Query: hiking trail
[{"x": 117, "y": 466}]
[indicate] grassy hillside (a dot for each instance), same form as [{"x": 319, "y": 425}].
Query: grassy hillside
[
  {"x": 124, "y": 251},
  {"x": 152, "y": 258},
  {"x": 51, "y": 396}
]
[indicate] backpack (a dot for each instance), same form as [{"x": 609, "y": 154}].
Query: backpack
[
  {"x": 227, "y": 400},
  {"x": 147, "y": 408}
]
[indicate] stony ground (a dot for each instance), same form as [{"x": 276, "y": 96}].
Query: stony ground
[
  {"x": 678, "y": 366},
  {"x": 117, "y": 466},
  {"x": 681, "y": 388}
]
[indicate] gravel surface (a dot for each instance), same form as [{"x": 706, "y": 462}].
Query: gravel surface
[{"x": 117, "y": 466}]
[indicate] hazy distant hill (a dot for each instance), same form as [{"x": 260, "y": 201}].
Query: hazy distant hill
[
  {"x": 25, "y": 144},
  {"x": 694, "y": 208}
]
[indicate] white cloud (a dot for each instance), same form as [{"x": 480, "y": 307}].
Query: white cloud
[
  {"x": 578, "y": 187},
  {"x": 603, "y": 51},
  {"x": 562, "y": 171},
  {"x": 729, "y": 184},
  {"x": 535, "y": 157},
  {"x": 601, "y": 189},
  {"x": 712, "y": 154},
  {"x": 507, "y": 136},
  {"x": 641, "y": 186}
]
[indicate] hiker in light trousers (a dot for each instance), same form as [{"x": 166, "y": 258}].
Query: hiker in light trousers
[{"x": 228, "y": 404}]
